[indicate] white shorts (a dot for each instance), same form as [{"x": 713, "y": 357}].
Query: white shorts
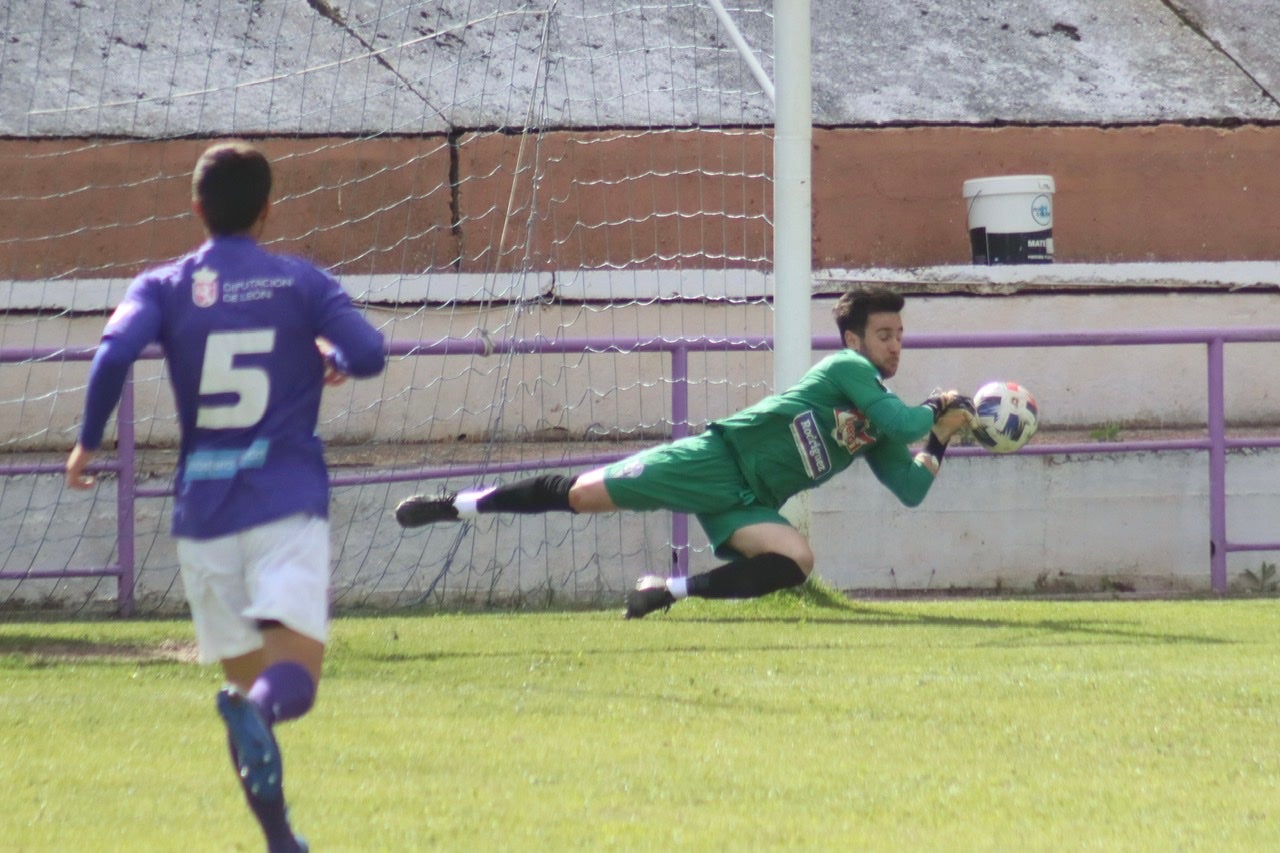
[{"x": 276, "y": 571}]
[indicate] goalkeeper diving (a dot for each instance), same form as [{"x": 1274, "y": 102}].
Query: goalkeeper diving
[{"x": 736, "y": 475}]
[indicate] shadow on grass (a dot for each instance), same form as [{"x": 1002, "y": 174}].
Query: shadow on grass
[
  {"x": 871, "y": 616},
  {"x": 817, "y": 595}
]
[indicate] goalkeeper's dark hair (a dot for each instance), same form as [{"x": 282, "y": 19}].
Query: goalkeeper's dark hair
[
  {"x": 853, "y": 308},
  {"x": 232, "y": 181}
]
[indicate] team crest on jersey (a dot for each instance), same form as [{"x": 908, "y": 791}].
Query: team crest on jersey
[
  {"x": 204, "y": 287},
  {"x": 851, "y": 430}
]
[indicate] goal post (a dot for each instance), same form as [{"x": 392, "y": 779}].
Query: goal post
[
  {"x": 793, "y": 205},
  {"x": 792, "y": 193}
]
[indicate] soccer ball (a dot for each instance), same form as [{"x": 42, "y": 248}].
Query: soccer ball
[{"x": 1007, "y": 416}]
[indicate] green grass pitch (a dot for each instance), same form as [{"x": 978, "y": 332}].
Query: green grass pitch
[{"x": 798, "y": 721}]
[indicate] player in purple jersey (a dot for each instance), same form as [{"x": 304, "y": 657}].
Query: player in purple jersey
[{"x": 250, "y": 338}]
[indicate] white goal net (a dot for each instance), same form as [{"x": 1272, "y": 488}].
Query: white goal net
[{"x": 530, "y": 199}]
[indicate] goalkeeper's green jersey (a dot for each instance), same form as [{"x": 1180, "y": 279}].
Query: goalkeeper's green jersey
[{"x": 840, "y": 410}]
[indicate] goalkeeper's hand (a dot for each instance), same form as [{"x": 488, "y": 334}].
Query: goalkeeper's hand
[
  {"x": 945, "y": 401},
  {"x": 953, "y": 421},
  {"x": 953, "y": 412}
]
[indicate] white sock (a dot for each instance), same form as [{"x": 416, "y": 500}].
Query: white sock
[
  {"x": 465, "y": 502},
  {"x": 678, "y": 587}
]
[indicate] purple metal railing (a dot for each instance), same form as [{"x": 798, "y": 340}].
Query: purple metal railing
[{"x": 1216, "y": 443}]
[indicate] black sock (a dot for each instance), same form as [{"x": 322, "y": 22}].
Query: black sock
[
  {"x": 539, "y": 494},
  {"x": 749, "y": 578}
]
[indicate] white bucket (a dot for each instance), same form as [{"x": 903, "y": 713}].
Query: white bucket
[{"x": 1010, "y": 219}]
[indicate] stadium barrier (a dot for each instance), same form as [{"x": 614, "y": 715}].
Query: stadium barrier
[{"x": 1216, "y": 441}]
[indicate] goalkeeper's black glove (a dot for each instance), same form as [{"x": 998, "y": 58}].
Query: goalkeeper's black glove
[{"x": 944, "y": 401}]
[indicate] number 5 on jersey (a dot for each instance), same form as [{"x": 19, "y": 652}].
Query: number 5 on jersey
[{"x": 220, "y": 375}]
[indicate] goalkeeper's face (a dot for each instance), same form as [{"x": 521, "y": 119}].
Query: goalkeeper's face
[{"x": 881, "y": 344}]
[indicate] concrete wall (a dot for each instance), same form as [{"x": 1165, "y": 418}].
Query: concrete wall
[{"x": 1094, "y": 523}]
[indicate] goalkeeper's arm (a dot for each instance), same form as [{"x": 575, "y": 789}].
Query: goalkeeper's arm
[{"x": 908, "y": 477}]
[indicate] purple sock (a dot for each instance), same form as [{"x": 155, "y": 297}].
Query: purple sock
[{"x": 284, "y": 691}]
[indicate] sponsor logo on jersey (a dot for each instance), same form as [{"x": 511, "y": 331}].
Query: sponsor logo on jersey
[
  {"x": 253, "y": 289},
  {"x": 225, "y": 464},
  {"x": 204, "y": 288},
  {"x": 813, "y": 451},
  {"x": 851, "y": 430}
]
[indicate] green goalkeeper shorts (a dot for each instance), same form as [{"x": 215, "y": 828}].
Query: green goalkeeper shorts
[{"x": 697, "y": 475}]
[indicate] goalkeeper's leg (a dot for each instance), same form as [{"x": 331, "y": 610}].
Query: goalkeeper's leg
[
  {"x": 780, "y": 559},
  {"x": 546, "y": 493}
]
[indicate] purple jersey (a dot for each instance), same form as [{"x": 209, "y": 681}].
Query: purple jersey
[{"x": 238, "y": 326}]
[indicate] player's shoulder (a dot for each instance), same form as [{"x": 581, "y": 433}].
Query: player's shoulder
[
  {"x": 155, "y": 281},
  {"x": 175, "y": 272},
  {"x": 847, "y": 360},
  {"x": 846, "y": 368},
  {"x": 306, "y": 280},
  {"x": 293, "y": 261},
  {"x": 250, "y": 255},
  {"x": 303, "y": 271}
]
